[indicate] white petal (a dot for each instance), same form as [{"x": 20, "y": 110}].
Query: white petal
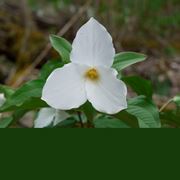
[
  {"x": 2, "y": 99},
  {"x": 60, "y": 116},
  {"x": 65, "y": 87},
  {"x": 45, "y": 117},
  {"x": 108, "y": 94},
  {"x": 93, "y": 45}
]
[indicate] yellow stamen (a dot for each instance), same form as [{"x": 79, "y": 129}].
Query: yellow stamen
[{"x": 92, "y": 74}]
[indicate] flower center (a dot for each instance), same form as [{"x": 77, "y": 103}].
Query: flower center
[{"x": 92, "y": 74}]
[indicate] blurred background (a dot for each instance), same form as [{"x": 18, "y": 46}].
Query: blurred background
[{"x": 146, "y": 26}]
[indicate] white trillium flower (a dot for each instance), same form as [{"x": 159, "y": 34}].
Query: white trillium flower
[
  {"x": 89, "y": 76},
  {"x": 47, "y": 116}
]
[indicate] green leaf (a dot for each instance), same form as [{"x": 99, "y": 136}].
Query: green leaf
[
  {"x": 23, "y": 94},
  {"x": 49, "y": 67},
  {"x": 108, "y": 122},
  {"x": 145, "y": 111},
  {"x": 139, "y": 85},
  {"x": 62, "y": 46},
  {"x": 32, "y": 103},
  {"x": 125, "y": 59},
  {"x": 176, "y": 99},
  {"x": 127, "y": 118},
  {"x": 4, "y": 122},
  {"x": 7, "y": 91}
]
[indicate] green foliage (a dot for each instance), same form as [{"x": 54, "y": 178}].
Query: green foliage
[
  {"x": 145, "y": 111},
  {"x": 109, "y": 122},
  {"x": 33, "y": 103},
  {"x": 125, "y": 59},
  {"x": 49, "y": 67},
  {"x": 141, "y": 112},
  {"x": 21, "y": 97},
  {"x": 62, "y": 46},
  {"x": 7, "y": 91},
  {"x": 139, "y": 85},
  {"x": 127, "y": 118}
]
